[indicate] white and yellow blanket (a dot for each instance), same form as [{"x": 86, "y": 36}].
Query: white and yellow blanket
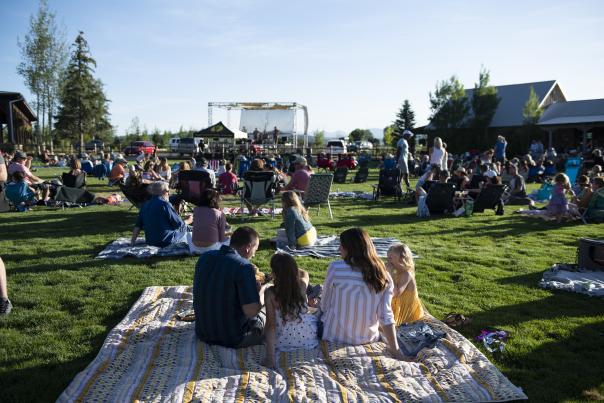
[{"x": 151, "y": 356}]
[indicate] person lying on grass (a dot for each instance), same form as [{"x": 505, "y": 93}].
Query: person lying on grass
[
  {"x": 162, "y": 224},
  {"x": 406, "y": 305},
  {"x": 357, "y": 295},
  {"x": 290, "y": 324}
]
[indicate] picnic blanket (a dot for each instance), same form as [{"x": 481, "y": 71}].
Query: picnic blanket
[
  {"x": 351, "y": 195},
  {"x": 238, "y": 210},
  {"x": 329, "y": 246},
  {"x": 570, "y": 278},
  {"x": 121, "y": 248},
  {"x": 152, "y": 356}
]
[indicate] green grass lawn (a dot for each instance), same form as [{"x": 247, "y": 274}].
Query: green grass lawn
[{"x": 486, "y": 267}]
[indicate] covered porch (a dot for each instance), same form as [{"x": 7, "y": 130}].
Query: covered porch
[{"x": 16, "y": 118}]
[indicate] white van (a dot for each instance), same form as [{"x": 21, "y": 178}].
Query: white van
[
  {"x": 336, "y": 147},
  {"x": 173, "y": 145}
]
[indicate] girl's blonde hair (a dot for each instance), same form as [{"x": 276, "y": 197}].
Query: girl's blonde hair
[
  {"x": 405, "y": 255},
  {"x": 562, "y": 179},
  {"x": 438, "y": 143},
  {"x": 291, "y": 199}
]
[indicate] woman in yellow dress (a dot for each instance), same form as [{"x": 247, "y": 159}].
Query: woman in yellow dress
[{"x": 406, "y": 305}]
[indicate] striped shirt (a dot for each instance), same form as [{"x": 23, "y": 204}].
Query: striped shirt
[{"x": 352, "y": 312}]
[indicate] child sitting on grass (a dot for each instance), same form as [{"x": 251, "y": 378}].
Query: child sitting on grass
[
  {"x": 289, "y": 323},
  {"x": 406, "y": 305},
  {"x": 22, "y": 194}
]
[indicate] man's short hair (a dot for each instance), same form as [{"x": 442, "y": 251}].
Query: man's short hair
[
  {"x": 243, "y": 236},
  {"x": 158, "y": 188}
]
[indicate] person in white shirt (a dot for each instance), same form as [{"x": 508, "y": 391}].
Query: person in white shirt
[
  {"x": 202, "y": 165},
  {"x": 439, "y": 155}
]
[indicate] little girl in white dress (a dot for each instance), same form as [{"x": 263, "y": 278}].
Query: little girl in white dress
[{"x": 290, "y": 323}]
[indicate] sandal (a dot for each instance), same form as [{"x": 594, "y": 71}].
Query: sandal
[{"x": 456, "y": 319}]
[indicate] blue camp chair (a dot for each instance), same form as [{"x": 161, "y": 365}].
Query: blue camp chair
[{"x": 572, "y": 168}]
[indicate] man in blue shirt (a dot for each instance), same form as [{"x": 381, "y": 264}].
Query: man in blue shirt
[
  {"x": 226, "y": 296},
  {"x": 162, "y": 224}
]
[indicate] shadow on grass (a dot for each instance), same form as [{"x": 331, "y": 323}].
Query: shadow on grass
[{"x": 73, "y": 222}]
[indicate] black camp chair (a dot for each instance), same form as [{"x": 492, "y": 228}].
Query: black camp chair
[
  {"x": 192, "y": 184},
  {"x": 73, "y": 191},
  {"x": 389, "y": 184},
  {"x": 361, "y": 175},
  {"x": 74, "y": 181},
  {"x": 339, "y": 176},
  {"x": 137, "y": 196},
  {"x": 440, "y": 198},
  {"x": 490, "y": 197},
  {"x": 259, "y": 188}
]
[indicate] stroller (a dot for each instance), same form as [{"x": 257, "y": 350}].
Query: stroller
[{"x": 389, "y": 184}]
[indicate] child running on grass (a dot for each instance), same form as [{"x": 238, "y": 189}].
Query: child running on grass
[
  {"x": 289, "y": 323},
  {"x": 406, "y": 304}
]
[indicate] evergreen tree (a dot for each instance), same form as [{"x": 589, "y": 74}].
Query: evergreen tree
[
  {"x": 449, "y": 105},
  {"x": 405, "y": 119},
  {"x": 532, "y": 111},
  {"x": 484, "y": 102},
  {"x": 83, "y": 109},
  {"x": 44, "y": 56}
]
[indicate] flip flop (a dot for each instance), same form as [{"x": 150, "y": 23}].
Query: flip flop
[{"x": 453, "y": 319}]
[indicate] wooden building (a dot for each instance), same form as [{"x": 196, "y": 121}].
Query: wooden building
[{"x": 16, "y": 118}]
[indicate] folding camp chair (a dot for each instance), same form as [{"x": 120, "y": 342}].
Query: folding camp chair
[
  {"x": 440, "y": 198},
  {"x": 74, "y": 181},
  {"x": 340, "y": 175},
  {"x": 137, "y": 196},
  {"x": 389, "y": 184},
  {"x": 317, "y": 192},
  {"x": 361, "y": 175},
  {"x": 259, "y": 188},
  {"x": 192, "y": 184},
  {"x": 490, "y": 197},
  {"x": 595, "y": 209}
]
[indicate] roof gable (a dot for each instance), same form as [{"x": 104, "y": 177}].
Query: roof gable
[{"x": 573, "y": 112}]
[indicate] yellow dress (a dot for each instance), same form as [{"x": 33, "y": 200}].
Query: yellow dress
[{"x": 407, "y": 307}]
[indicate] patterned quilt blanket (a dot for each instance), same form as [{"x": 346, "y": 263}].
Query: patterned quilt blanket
[
  {"x": 329, "y": 246},
  {"x": 121, "y": 248},
  {"x": 570, "y": 278},
  {"x": 152, "y": 356}
]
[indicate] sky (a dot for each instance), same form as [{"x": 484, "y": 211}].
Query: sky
[{"x": 352, "y": 63}]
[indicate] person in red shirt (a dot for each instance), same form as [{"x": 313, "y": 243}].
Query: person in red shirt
[{"x": 228, "y": 180}]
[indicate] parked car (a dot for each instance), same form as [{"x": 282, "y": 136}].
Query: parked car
[
  {"x": 363, "y": 145},
  {"x": 336, "y": 147},
  {"x": 137, "y": 146},
  {"x": 190, "y": 145},
  {"x": 173, "y": 145},
  {"x": 94, "y": 145}
]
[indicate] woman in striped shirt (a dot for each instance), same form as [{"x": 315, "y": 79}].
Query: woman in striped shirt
[{"x": 357, "y": 295}]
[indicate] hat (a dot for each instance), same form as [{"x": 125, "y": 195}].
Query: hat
[
  {"x": 84, "y": 155},
  {"x": 21, "y": 155},
  {"x": 301, "y": 161},
  {"x": 490, "y": 173},
  {"x": 120, "y": 160},
  {"x": 408, "y": 133}
]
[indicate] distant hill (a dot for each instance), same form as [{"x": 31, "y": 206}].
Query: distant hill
[{"x": 377, "y": 133}]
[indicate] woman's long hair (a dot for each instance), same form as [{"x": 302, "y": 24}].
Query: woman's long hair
[
  {"x": 291, "y": 199},
  {"x": 287, "y": 290},
  {"x": 361, "y": 254}
]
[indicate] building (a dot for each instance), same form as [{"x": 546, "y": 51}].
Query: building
[{"x": 16, "y": 118}]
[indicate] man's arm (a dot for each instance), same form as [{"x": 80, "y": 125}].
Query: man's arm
[
  {"x": 251, "y": 310},
  {"x": 3, "y": 173}
]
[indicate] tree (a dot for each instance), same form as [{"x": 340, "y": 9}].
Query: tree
[
  {"x": 319, "y": 138},
  {"x": 484, "y": 102},
  {"x": 44, "y": 56},
  {"x": 449, "y": 105},
  {"x": 532, "y": 111},
  {"x": 405, "y": 119},
  {"x": 389, "y": 137},
  {"x": 83, "y": 109},
  {"x": 360, "y": 135}
]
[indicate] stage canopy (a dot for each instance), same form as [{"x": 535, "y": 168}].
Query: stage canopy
[
  {"x": 265, "y": 120},
  {"x": 220, "y": 130}
]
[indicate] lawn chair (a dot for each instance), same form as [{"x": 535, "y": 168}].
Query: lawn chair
[
  {"x": 595, "y": 209},
  {"x": 490, "y": 197},
  {"x": 137, "y": 196},
  {"x": 74, "y": 181},
  {"x": 389, "y": 184},
  {"x": 361, "y": 175},
  {"x": 259, "y": 188},
  {"x": 192, "y": 184},
  {"x": 100, "y": 171},
  {"x": 440, "y": 198},
  {"x": 317, "y": 192},
  {"x": 340, "y": 175}
]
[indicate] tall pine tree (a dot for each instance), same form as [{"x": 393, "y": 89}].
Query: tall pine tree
[
  {"x": 405, "y": 119},
  {"x": 83, "y": 110}
]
